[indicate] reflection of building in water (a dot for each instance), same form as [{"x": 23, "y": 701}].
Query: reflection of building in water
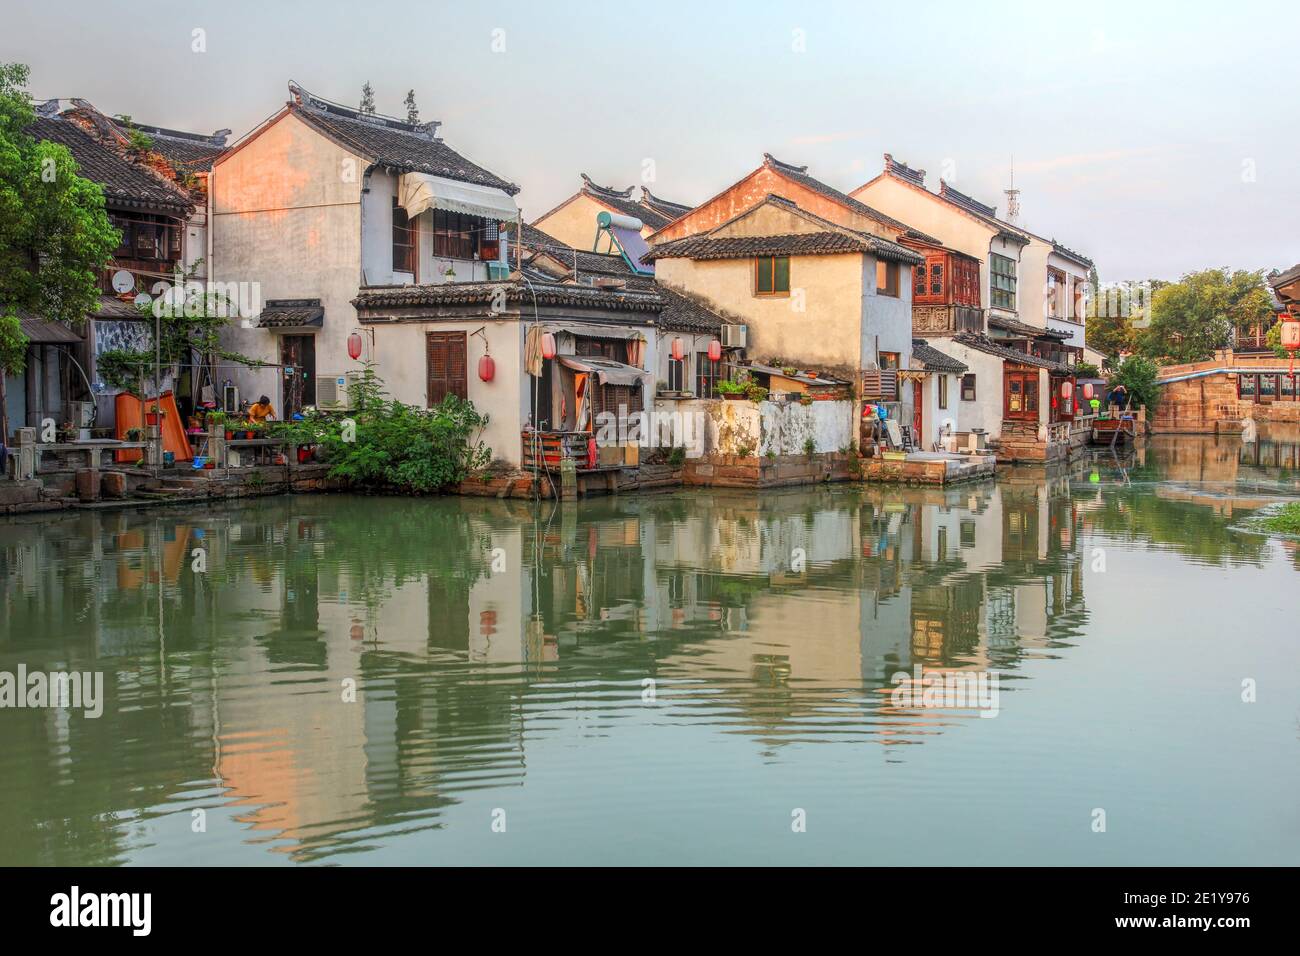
[{"x": 459, "y": 620}]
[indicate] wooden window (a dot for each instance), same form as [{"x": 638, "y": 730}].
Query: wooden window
[
  {"x": 965, "y": 282},
  {"x": 943, "y": 391},
  {"x": 1002, "y": 281},
  {"x": 772, "y": 275},
  {"x": 1055, "y": 292},
  {"x": 446, "y": 359},
  {"x": 615, "y": 399},
  {"x": 676, "y": 373},
  {"x": 706, "y": 376},
  {"x": 403, "y": 240},
  {"x": 886, "y": 278},
  {"x": 968, "y": 387},
  {"x": 455, "y": 235}
]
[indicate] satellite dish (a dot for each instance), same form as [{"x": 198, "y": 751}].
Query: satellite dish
[
  {"x": 143, "y": 298},
  {"x": 123, "y": 281}
]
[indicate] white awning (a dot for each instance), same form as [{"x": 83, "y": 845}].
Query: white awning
[{"x": 417, "y": 192}]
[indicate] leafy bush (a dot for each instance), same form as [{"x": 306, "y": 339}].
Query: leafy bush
[
  {"x": 1286, "y": 521},
  {"x": 1138, "y": 375},
  {"x": 385, "y": 444}
]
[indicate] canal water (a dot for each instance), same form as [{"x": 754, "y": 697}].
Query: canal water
[{"x": 691, "y": 677}]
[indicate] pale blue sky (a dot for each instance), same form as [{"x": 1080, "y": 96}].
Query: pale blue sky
[{"x": 1134, "y": 126}]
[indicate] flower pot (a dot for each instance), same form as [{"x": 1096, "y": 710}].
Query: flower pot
[
  {"x": 151, "y": 418},
  {"x": 304, "y": 455},
  {"x": 735, "y": 398},
  {"x": 229, "y": 434}
]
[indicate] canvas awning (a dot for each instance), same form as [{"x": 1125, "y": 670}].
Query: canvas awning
[
  {"x": 589, "y": 330},
  {"x": 607, "y": 371},
  {"x": 417, "y": 192}
]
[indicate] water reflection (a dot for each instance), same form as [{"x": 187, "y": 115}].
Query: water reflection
[{"x": 482, "y": 635}]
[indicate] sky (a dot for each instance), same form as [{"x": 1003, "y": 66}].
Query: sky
[{"x": 1158, "y": 138}]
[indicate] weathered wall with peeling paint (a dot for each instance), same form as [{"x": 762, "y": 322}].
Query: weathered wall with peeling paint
[{"x": 749, "y": 429}]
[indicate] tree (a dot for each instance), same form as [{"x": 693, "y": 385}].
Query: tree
[
  {"x": 412, "y": 111},
  {"x": 367, "y": 98},
  {"x": 1138, "y": 375},
  {"x": 1193, "y": 317},
  {"x": 54, "y": 234}
]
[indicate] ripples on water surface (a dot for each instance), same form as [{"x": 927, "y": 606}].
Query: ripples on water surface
[{"x": 650, "y": 680}]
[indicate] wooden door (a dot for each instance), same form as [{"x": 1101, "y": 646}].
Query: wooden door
[
  {"x": 1020, "y": 395},
  {"x": 298, "y": 358},
  {"x": 446, "y": 357}
]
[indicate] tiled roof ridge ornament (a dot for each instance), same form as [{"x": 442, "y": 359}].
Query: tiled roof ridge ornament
[
  {"x": 770, "y": 160},
  {"x": 970, "y": 202},
  {"x": 606, "y": 190},
  {"x": 904, "y": 171},
  {"x": 305, "y": 99}
]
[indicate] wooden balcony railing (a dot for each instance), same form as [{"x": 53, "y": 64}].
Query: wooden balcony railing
[
  {"x": 946, "y": 319},
  {"x": 546, "y": 449}
]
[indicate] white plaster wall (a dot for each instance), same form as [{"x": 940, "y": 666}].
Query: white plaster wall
[
  {"x": 886, "y": 319},
  {"x": 401, "y": 358},
  {"x": 286, "y": 220},
  {"x": 986, "y": 411},
  {"x": 933, "y": 416}
]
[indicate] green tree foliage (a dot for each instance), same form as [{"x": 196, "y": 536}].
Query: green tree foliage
[
  {"x": 190, "y": 318},
  {"x": 54, "y": 233},
  {"x": 1138, "y": 375},
  {"x": 1193, "y": 317},
  {"x": 386, "y": 445}
]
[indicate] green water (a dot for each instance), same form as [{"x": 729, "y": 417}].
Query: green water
[{"x": 689, "y": 677}]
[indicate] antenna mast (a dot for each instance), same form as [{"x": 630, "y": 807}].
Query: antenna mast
[{"x": 1013, "y": 197}]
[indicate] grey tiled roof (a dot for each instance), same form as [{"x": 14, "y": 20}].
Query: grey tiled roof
[
  {"x": 621, "y": 200},
  {"x": 588, "y": 264},
  {"x": 982, "y": 343},
  {"x": 1017, "y": 327},
  {"x": 687, "y": 313},
  {"x": 125, "y": 183},
  {"x": 798, "y": 244},
  {"x": 800, "y": 175},
  {"x": 291, "y": 313},
  {"x": 675, "y": 210},
  {"x": 474, "y": 293},
  {"x": 931, "y": 358},
  {"x": 391, "y": 142},
  {"x": 187, "y": 152}
]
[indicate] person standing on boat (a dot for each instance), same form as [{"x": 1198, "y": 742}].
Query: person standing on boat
[{"x": 1119, "y": 397}]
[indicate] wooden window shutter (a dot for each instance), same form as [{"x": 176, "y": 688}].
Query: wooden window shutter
[{"x": 446, "y": 355}]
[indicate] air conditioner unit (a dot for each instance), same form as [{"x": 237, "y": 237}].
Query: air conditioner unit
[
  {"x": 230, "y": 399},
  {"x": 735, "y": 336},
  {"x": 331, "y": 393}
]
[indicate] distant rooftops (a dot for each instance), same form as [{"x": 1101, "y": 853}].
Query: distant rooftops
[
  {"x": 390, "y": 142},
  {"x": 650, "y": 209}
]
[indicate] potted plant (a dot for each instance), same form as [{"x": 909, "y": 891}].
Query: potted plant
[
  {"x": 134, "y": 434},
  {"x": 732, "y": 391},
  {"x": 755, "y": 392},
  {"x": 154, "y": 417}
]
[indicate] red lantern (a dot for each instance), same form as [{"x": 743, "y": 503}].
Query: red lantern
[
  {"x": 678, "y": 350},
  {"x": 1067, "y": 389},
  {"x": 1087, "y": 391},
  {"x": 354, "y": 345},
  {"x": 487, "y": 368},
  {"x": 715, "y": 351},
  {"x": 548, "y": 346}
]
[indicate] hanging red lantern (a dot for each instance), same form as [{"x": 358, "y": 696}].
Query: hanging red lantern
[
  {"x": 354, "y": 345},
  {"x": 715, "y": 351},
  {"x": 487, "y": 368},
  {"x": 548, "y": 346},
  {"x": 1087, "y": 391},
  {"x": 678, "y": 350},
  {"x": 1067, "y": 388}
]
